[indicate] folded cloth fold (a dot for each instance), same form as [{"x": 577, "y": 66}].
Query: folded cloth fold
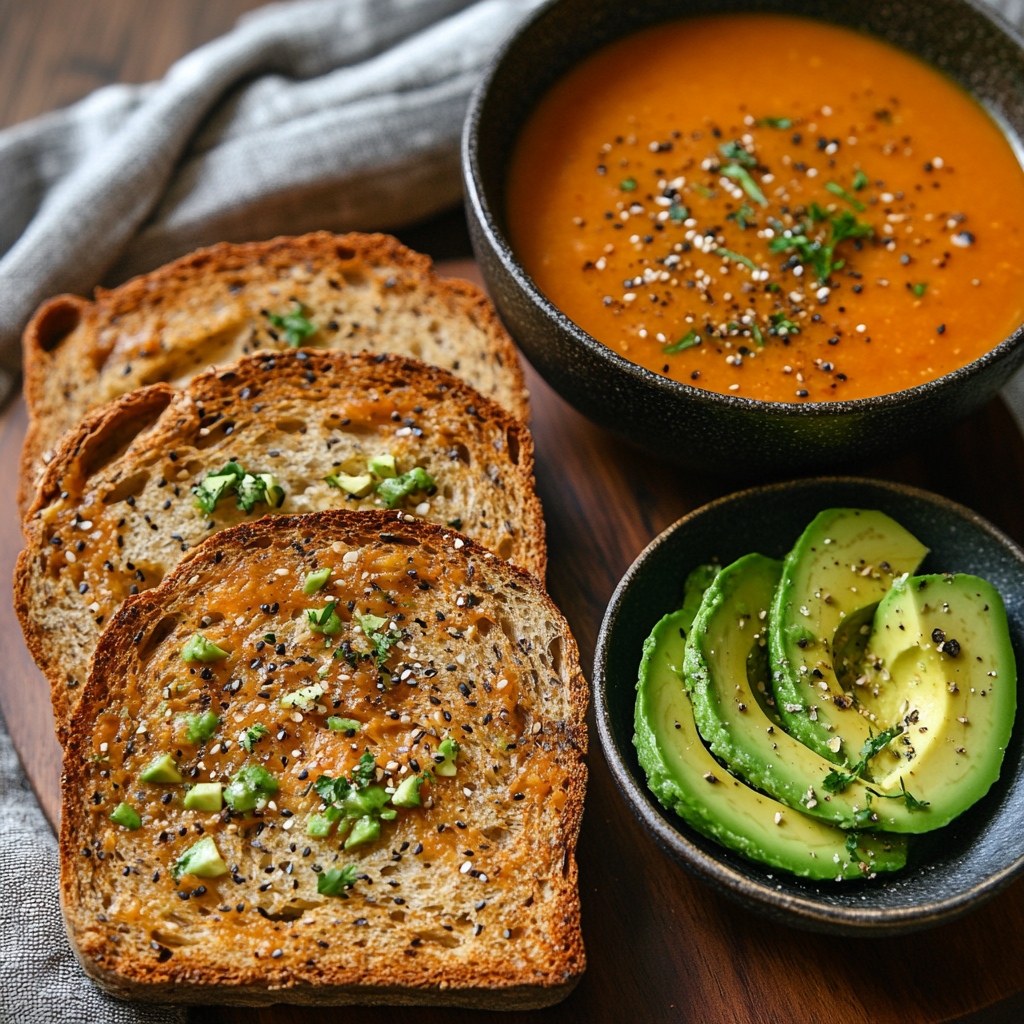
[{"x": 336, "y": 114}]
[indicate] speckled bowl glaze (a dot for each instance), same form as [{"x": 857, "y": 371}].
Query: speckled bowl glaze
[
  {"x": 949, "y": 871},
  {"x": 703, "y": 429}
]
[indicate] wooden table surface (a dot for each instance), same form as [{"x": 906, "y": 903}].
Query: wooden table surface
[{"x": 661, "y": 947}]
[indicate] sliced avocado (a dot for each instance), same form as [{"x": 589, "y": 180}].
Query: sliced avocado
[
  {"x": 315, "y": 580},
  {"x": 319, "y": 825},
  {"x": 201, "y": 859},
  {"x": 204, "y": 796},
  {"x": 727, "y": 675},
  {"x": 161, "y": 769},
  {"x": 383, "y": 466},
  {"x": 251, "y": 787},
  {"x": 200, "y": 649},
  {"x": 357, "y": 486},
  {"x": 685, "y": 777},
  {"x": 447, "y": 751},
  {"x": 940, "y": 663},
  {"x": 842, "y": 565}
]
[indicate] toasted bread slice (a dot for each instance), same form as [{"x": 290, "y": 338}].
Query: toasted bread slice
[
  {"x": 116, "y": 510},
  {"x": 460, "y": 888},
  {"x": 359, "y": 293}
]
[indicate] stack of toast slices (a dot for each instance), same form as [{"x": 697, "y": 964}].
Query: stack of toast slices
[{"x": 323, "y": 728}]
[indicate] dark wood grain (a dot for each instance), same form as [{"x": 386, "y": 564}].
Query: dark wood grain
[{"x": 661, "y": 947}]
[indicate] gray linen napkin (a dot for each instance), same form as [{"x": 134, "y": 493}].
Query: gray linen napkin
[
  {"x": 40, "y": 980},
  {"x": 336, "y": 114}
]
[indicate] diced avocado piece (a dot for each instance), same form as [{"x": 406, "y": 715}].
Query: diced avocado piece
[
  {"x": 304, "y": 696},
  {"x": 315, "y": 580},
  {"x": 204, "y": 796},
  {"x": 728, "y": 678},
  {"x": 210, "y": 491},
  {"x": 448, "y": 751},
  {"x": 357, "y": 486},
  {"x": 941, "y": 662},
  {"x": 324, "y": 620},
  {"x": 841, "y": 566},
  {"x": 251, "y": 787},
  {"x": 399, "y": 487},
  {"x": 686, "y": 778},
  {"x": 126, "y": 815},
  {"x": 383, "y": 466},
  {"x": 365, "y": 830},
  {"x": 368, "y": 800},
  {"x": 319, "y": 825},
  {"x": 345, "y": 725},
  {"x": 201, "y": 649},
  {"x": 201, "y": 859},
  {"x": 161, "y": 769},
  {"x": 408, "y": 792},
  {"x": 199, "y": 728},
  {"x": 273, "y": 492}
]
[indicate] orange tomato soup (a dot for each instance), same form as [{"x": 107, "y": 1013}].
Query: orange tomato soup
[{"x": 772, "y": 207}]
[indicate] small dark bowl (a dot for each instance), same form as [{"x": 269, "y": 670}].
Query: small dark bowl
[
  {"x": 965, "y": 40},
  {"x": 949, "y": 871}
]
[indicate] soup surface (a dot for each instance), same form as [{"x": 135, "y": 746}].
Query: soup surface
[{"x": 772, "y": 207}]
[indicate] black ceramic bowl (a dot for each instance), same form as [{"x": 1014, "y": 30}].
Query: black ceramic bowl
[
  {"x": 718, "y": 432},
  {"x": 949, "y": 871}
]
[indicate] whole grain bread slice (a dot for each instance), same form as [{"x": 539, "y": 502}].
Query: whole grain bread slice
[
  {"x": 467, "y": 898},
  {"x": 116, "y": 510},
  {"x": 356, "y": 292}
]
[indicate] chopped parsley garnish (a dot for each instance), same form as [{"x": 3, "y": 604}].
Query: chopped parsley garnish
[
  {"x": 860, "y": 180},
  {"x": 838, "y": 190},
  {"x": 734, "y": 152},
  {"x": 250, "y": 489},
  {"x": 200, "y": 649},
  {"x": 688, "y": 340},
  {"x": 251, "y": 787},
  {"x": 707, "y": 193},
  {"x": 324, "y": 620},
  {"x": 365, "y": 772},
  {"x": 782, "y": 123},
  {"x": 297, "y": 328},
  {"x": 747, "y": 183},
  {"x": 755, "y": 332},
  {"x": 395, "y": 489},
  {"x": 382, "y": 642},
  {"x": 628, "y": 185},
  {"x": 836, "y": 781},
  {"x": 251, "y": 736},
  {"x": 744, "y": 217},
  {"x": 335, "y": 881},
  {"x": 817, "y": 254},
  {"x": 677, "y": 212},
  {"x": 730, "y": 255},
  {"x": 781, "y": 324},
  {"x": 920, "y": 289}
]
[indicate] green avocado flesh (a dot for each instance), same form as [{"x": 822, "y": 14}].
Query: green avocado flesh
[
  {"x": 843, "y": 564},
  {"x": 680, "y": 771},
  {"x": 939, "y": 662},
  {"x": 727, "y": 675}
]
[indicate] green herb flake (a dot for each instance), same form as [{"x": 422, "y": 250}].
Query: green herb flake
[
  {"x": 628, "y": 185},
  {"x": 781, "y": 123},
  {"x": 747, "y": 183},
  {"x": 335, "y": 881},
  {"x": 707, "y": 193},
  {"x": 688, "y": 340},
  {"x": 251, "y": 787},
  {"x": 199, "y": 728},
  {"x": 860, "y": 180},
  {"x": 678, "y": 213},
  {"x": 251, "y": 736},
  {"x": 734, "y": 152},
  {"x": 737, "y": 257},
  {"x": 755, "y": 332},
  {"x": 838, "y": 190},
  {"x": 324, "y": 620},
  {"x": 920, "y": 289},
  {"x": 250, "y": 489},
  {"x": 297, "y": 328}
]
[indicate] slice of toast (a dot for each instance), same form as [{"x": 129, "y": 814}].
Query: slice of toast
[
  {"x": 323, "y": 874},
  {"x": 354, "y": 292},
  {"x": 117, "y": 510}
]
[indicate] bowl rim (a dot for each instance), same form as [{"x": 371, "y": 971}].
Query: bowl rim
[
  {"x": 478, "y": 201},
  {"x": 800, "y": 910}
]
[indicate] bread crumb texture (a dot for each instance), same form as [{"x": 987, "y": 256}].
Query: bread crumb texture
[
  {"x": 351, "y": 293},
  {"x": 238, "y": 817},
  {"x": 123, "y": 500}
]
